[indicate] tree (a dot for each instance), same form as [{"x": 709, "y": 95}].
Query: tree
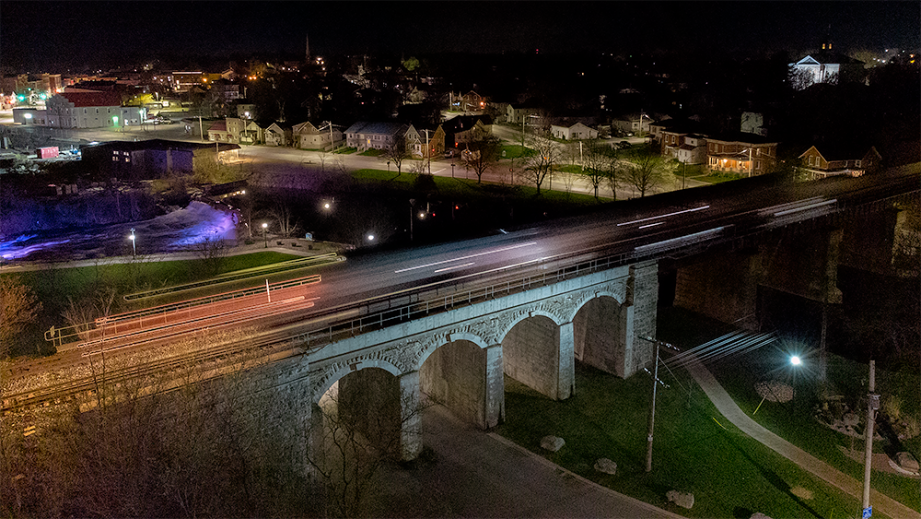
[
  {"x": 19, "y": 306},
  {"x": 599, "y": 161},
  {"x": 397, "y": 152},
  {"x": 355, "y": 446},
  {"x": 540, "y": 165},
  {"x": 287, "y": 222},
  {"x": 486, "y": 152},
  {"x": 646, "y": 173}
]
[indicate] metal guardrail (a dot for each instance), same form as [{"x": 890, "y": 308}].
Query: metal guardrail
[
  {"x": 235, "y": 276},
  {"x": 60, "y": 335}
]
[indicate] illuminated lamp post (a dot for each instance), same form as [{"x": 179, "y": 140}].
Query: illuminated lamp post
[
  {"x": 796, "y": 362},
  {"x": 265, "y": 240},
  {"x": 133, "y": 238}
]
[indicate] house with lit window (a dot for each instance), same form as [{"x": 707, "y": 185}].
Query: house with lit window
[
  {"x": 465, "y": 129},
  {"x": 425, "y": 143},
  {"x": 830, "y": 160},
  {"x": 825, "y": 66},
  {"x": 516, "y": 113},
  {"x": 681, "y": 139},
  {"x": 743, "y": 153},
  {"x": 154, "y": 158},
  {"x": 90, "y": 110}
]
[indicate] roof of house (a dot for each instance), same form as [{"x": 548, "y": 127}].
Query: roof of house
[
  {"x": 742, "y": 137},
  {"x": 841, "y": 150},
  {"x": 462, "y": 123},
  {"x": 376, "y": 128},
  {"x": 218, "y": 126},
  {"x": 87, "y": 99}
]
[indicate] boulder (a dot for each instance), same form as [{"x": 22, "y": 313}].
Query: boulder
[
  {"x": 605, "y": 465},
  {"x": 907, "y": 461},
  {"x": 552, "y": 443},
  {"x": 682, "y": 499}
]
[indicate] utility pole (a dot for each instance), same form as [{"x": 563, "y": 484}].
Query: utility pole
[
  {"x": 652, "y": 407},
  {"x": 872, "y": 406},
  {"x": 428, "y": 152}
]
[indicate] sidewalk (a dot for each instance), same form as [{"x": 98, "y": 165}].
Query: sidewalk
[{"x": 725, "y": 405}]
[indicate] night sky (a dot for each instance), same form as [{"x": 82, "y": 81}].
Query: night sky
[{"x": 44, "y": 36}]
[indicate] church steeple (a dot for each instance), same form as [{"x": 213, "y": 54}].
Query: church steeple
[{"x": 826, "y": 45}]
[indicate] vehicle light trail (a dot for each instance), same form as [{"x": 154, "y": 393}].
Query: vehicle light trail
[
  {"x": 665, "y": 215},
  {"x": 454, "y": 267},
  {"x": 679, "y": 239},
  {"x": 650, "y": 225},
  {"x": 511, "y": 247},
  {"x": 804, "y": 208}
]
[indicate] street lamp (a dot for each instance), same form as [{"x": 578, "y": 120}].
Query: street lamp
[
  {"x": 134, "y": 250},
  {"x": 452, "y": 169},
  {"x": 265, "y": 240},
  {"x": 795, "y": 361}
]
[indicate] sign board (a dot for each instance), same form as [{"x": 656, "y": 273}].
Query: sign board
[{"x": 867, "y": 512}]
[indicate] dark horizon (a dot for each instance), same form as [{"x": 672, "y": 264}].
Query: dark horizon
[{"x": 108, "y": 33}]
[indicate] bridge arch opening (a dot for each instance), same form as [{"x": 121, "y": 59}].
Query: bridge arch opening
[
  {"x": 601, "y": 329},
  {"x": 359, "y": 414},
  {"x": 538, "y": 353},
  {"x": 456, "y": 375}
]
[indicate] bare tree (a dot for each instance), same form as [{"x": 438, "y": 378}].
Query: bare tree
[
  {"x": 599, "y": 162},
  {"x": 397, "y": 152},
  {"x": 288, "y": 224},
  {"x": 538, "y": 167},
  {"x": 356, "y": 445},
  {"x": 646, "y": 173},
  {"x": 18, "y": 307},
  {"x": 485, "y": 155}
]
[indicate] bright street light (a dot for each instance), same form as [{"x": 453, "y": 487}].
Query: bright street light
[
  {"x": 370, "y": 237},
  {"x": 795, "y": 360},
  {"x": 264, "y": 239},
  {"x": 134, "y": 250}
]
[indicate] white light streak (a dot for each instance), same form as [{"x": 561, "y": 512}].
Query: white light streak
[
  {"x": 650, "y": 225},
  {"x": 679, "y": 239},
  {"x": 665, "y": 215},
  {"x": 454, "y": 267},
  {"x": 466, "y": 257},
  {"x": 804, "y": 208}
]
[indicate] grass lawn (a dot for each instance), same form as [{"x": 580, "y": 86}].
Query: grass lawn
[
  {"x": 718, "y": 178},
  {"x": 469, "y": 189},
  {"x": 345, "y": 151},
  {"x": 695, "y": 449},
  {"x": 516, "y": 151},
  {"x": 372, "y": 153},
  {"x": 569, "y": 168},
  {"x": 738, "y": 374}
]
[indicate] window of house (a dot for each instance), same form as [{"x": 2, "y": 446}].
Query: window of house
[
  {"x": 114, "y": 153},
  {"x": 757, "y": 164},
  {"x": 114, "y": 159},
  {"x": 857, "y": 163},
  {"x": 84, "y": 111},
  {"x": 127, "y": 159}
]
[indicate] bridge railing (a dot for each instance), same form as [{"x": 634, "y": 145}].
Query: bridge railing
[{"x": 446, "y": 296}]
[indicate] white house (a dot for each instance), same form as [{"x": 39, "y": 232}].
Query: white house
[
  {"x": 365, "y": 135},
  {"x": 90, "y": 110},
  {"x": 575, "y": 132},
  {"x": 309, "y": 137}
]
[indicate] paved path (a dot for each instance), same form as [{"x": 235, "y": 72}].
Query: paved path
[
  {"x": 477, "y": 474},
  {"x": 725, "y": 405}
]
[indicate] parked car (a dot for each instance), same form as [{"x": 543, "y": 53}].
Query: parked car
[{"x": 449, "y": 154}]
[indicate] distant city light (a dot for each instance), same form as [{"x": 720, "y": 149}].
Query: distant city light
[{"x": 795, "y": 360}]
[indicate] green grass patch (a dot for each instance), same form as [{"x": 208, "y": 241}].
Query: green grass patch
[
  {"x": 345, "y": 151},
  {"x": 469, "y": 189},
  {"x": 372, "y": 153},
  {"x": 695, "y": 449},
  {"x": 718, "y": 178},
  {"x": 569, "y": 168},
  {"x": 516, "y": 151},
  {"x": 794, "y": 421}
]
